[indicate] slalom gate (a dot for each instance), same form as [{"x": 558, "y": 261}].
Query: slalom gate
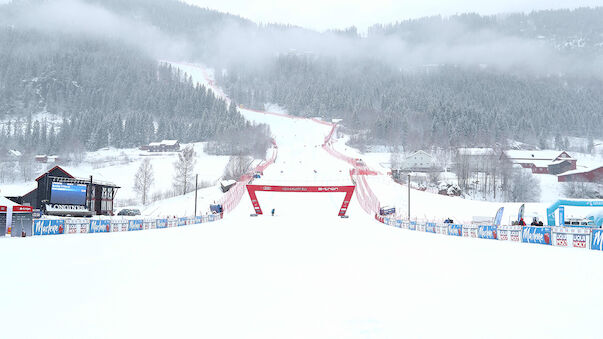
[{"x": 348, "y": 190}]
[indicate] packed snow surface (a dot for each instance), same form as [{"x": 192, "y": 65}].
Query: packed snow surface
[{"x": 304, "y": 273}]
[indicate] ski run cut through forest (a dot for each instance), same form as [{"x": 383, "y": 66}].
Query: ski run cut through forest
[{"x": 303, "y": 272}]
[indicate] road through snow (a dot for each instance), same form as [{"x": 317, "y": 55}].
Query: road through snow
[{"x": 304, "y": 273}]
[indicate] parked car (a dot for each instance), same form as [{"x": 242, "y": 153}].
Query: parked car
[{"x": 129, "y": 212}]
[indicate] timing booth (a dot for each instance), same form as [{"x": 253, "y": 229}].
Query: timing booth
[{"x": 60, "y": 193}]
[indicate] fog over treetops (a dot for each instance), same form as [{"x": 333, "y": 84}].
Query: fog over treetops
[{"x": 466, "y": 79}]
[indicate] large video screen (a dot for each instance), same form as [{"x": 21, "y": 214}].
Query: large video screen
[{"x": 68, "y": 194}]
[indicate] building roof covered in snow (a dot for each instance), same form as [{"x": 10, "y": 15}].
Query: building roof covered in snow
[
  {"x": 550, "y": 155},
  {"x": 478, "y": 151},
  {"x": 169, "y": 142}
]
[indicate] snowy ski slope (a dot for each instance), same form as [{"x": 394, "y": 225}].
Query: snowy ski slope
[{"x": 304, "y": 273}]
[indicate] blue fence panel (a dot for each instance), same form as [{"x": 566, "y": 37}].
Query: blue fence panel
[
  {"x": 412, "y": 225},
  {"x": 181, "y": 221},
  {"x": 455, "y": 230},
  {"x": 536, "y": 235},
  {"x": 399, "y": 223},
  {"x": 100, "y": 226},
  {"x": 161, "y": 223},
  {"x": 430, "y": 227},
  {"x": 597, "y": 240},
  {"x": 486, "y": 232},
  {"x": 49, "y": 227},
  {"x": 134, "y": 225},
  {"x": 198, "y": 219}
]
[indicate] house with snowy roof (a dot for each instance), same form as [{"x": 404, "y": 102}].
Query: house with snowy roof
[
  {"x": 541, "y": 162},
  {"x": 164, "y": 146},
  {"x": 419, "y": 161}
]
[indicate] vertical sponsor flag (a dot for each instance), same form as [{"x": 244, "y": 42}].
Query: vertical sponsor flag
[
  {"x": 520, "y": 214},
  {"x": 498, "y": 218},
  {"x": 561, "y": 216}
]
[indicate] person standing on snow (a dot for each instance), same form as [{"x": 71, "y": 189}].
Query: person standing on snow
[{"x": 273, "y": 212}]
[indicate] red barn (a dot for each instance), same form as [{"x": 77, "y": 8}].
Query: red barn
[{"x": 588, "y": 175}]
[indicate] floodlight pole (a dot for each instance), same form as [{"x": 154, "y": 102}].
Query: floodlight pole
[
  {"x": 408, "y": 182},
  {"x": 196, "y": 180}
]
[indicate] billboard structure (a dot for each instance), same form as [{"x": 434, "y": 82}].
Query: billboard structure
[
  {"x": 348, "y": 190},
  {"x": 68, "y": 194}
]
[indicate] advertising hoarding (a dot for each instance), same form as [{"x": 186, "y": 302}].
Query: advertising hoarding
[{"x": 68, "y": 194}]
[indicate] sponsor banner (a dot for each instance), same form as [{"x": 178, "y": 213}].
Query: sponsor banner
[
  {"x": 148, "y": 224},
  {"x": 441, "y": 229},
  {"x": 421, "y": 227},
  {"x": 455, "y": 230},
  {"x": 73, "y": 226},
  {"x": 190, "y": 220},
  {"x": 509, "y": 233},
  {"x": 470, "y": 231},
  {"x": 49, "y": 227},
  {"x": 135, "y": 225},
  {"x": 100, "y": 226},
  {"x": 536, "y": 235},
  {"x": 198, "y": 219},
  {"x": 181, "y": 221},
  {"x": 597, "y": 240},
  {"x": 486, "y": 232},
  {"x": 430, "y": 227},
  {"x": 561, "y": 215},
  {"x": 120, "y": 225},
  {"x": 498, "y": 217},
  {"x": 399, "y": 223},
  {"x": 172, "y": 222},
  {"x": 412, "y": 225},
  {"x": 161, "y": 223},
  {"x": 571, "y": 237}
]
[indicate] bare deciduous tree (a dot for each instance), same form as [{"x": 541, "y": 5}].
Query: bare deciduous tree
[
  {"x": 184, "y": 167},
  {"x": 144, "y": 180},
  {"x": 237, "y": 166}
]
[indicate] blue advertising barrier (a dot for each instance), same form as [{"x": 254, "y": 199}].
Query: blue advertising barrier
[
  {"x": 455, "y": 230},
  {"x": 399, "y": 223},
  {"x": 430, "y": 227},
  {"x": 161, "y": 223},
  {"x": 486, "y": 232},
  {"x": 597, "y": 240},
  {"x": 198, "y": 219},
  {"x": 536, "y": 235},
  {"x": 135, "y": 225},
  {"x": 100, "y": 226},
  {"x": 412, "y": 225},
  {"x": 49, "y": 227},
  {"x": 181, "y": 221}
]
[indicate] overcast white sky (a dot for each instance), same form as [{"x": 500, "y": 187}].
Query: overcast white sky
[{"x": 325, "y": 14}]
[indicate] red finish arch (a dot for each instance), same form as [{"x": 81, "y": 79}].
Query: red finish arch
[{"x": 348, "y": 190}]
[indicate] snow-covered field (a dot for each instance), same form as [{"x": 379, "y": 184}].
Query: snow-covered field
[{"x": 304, "y": 273}]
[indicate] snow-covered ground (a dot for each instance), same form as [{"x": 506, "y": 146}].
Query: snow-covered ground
[{"x": 304, "y": 273}]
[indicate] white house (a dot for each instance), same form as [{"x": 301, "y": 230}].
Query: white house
[{"x": 418, "y": 162}]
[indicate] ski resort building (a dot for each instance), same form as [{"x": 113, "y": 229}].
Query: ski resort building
[
  {"x": 58, "y": 192},
  {"x": 163, "y": 146},
  {"x": 419, "y": 161},
  {"x": 587, "y": 175},
  {"x": 541, "y": 162}
]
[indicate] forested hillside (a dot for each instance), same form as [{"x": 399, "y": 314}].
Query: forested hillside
[
  {"x": 106, "y": 93},
  {"x": 440, "y": 105}
]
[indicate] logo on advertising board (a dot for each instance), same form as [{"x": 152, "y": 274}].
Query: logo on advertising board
[
  {"x": 181, "y": 221},
  {"x": 399, "y": 223},
  {"x": 430, "y": 227},
  {"x": 503, "y": 235},
  {"x": 412, "y": 225},
  {"x": 486, "y": 232},
  {"x": 2, "y": 209},
  {"x": 579, "y": 240},
  {"x": 597, "y": 240},
  {"x": 22, "y": 209},
  {"x": 161, "y": 223},
  {"x": 515, "y": 236},
  {"x": 135, "y": 225},
  {"x": 561, "y": 240},
  {"x": 536, "y": 235},
  {"x": 100, "y": 226},
  {"x": 49, "y": 227},
  {"x": 328, "y": 189},
  {"x": 455, "y": 230}
]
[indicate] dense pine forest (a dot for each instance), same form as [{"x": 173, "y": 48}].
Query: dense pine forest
[{"x": 105, "y": 93}]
